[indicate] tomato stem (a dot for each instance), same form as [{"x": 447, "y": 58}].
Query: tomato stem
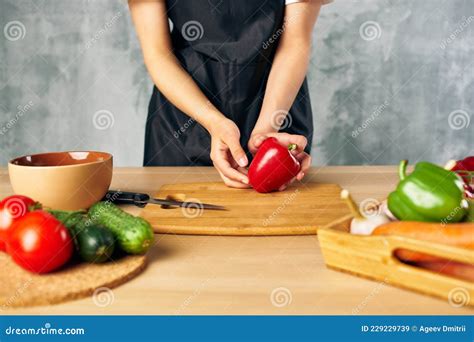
[{"x": 35, "y": 206}]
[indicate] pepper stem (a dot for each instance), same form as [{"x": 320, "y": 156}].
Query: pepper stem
[
  {"x": 292, "y": 147},
  {"x": 402, "y": 169}
]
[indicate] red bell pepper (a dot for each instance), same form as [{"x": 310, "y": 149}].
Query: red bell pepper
[
  {"x": 465, "y": 168},
  {"x": 467, "y": 164},
  {"x": 273, "y": 166}
]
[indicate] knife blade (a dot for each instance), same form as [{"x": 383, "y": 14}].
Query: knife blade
[
  {"x": 142, "y": 199},
  {"x": 184, "y": 204}
]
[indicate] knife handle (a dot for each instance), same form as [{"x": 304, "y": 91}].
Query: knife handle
[{"x": 126, "y": 197}]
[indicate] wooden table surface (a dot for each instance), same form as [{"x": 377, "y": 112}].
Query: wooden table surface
[{"x": 248, "y": 275}]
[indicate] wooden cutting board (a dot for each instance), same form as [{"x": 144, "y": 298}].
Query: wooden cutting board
[{"x": 299, "y": 210}]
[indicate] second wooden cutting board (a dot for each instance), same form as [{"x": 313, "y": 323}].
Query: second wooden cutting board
[{"x": 299, "y": 210}]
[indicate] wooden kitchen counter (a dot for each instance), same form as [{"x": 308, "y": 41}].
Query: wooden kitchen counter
[{"x": 237, "y": 275}]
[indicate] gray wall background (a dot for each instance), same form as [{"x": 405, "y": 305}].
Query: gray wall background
[{"x": 389, "y": 80}]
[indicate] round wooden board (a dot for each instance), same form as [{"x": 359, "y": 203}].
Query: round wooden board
[{"x": 20, "y": 288}]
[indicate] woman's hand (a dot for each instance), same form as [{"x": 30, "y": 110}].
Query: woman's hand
[
  {"x": 289, "y": 67},
  {"x": 227, "y": 155},
  {"x": 256, "y": 139}
]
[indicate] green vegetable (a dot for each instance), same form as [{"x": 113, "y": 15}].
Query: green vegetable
[
  {"x": 93, "y": 243},
  {"x": 68, "y": 218},
  {"x": 134, "y": 234},
  {"x": 96, "y": 243},
  {"x": 470, "y": 212},
  {"x": 429, "y": 194}
]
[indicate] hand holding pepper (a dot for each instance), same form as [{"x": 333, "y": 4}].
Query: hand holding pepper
[
  {"x": 227, "y": 155},
  {"x": 285, "y": 139},
  {"x": 278, "y": 161}
]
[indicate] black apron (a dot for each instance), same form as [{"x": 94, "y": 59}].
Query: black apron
[{"x": 227, "y": 46}]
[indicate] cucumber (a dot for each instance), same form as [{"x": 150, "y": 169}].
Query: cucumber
[
  {"x": 93, "y": 243},
  {"x": 133, "y": 234},
  {"x": 96, "y": 244}
]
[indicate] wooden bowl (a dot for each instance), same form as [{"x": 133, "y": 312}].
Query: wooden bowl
[{"x": 62, "y": 180}]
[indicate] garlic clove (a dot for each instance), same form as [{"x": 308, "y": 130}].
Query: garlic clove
[{"x": 365, "y": 226}]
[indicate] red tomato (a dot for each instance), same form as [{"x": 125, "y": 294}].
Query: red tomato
[
  {"x": 11, "y": 209},
  {"x": 39, "y": 242}
]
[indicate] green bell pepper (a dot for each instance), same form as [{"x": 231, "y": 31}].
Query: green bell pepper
[
  {"x": 429, "y": 194},
  {"x": 470, "y": 212}
]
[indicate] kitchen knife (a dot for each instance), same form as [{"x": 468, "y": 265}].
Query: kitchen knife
[{"x": 141, "y": 199}]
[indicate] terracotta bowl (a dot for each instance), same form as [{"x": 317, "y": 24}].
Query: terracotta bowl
[{"x": 62, "y": 180}]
